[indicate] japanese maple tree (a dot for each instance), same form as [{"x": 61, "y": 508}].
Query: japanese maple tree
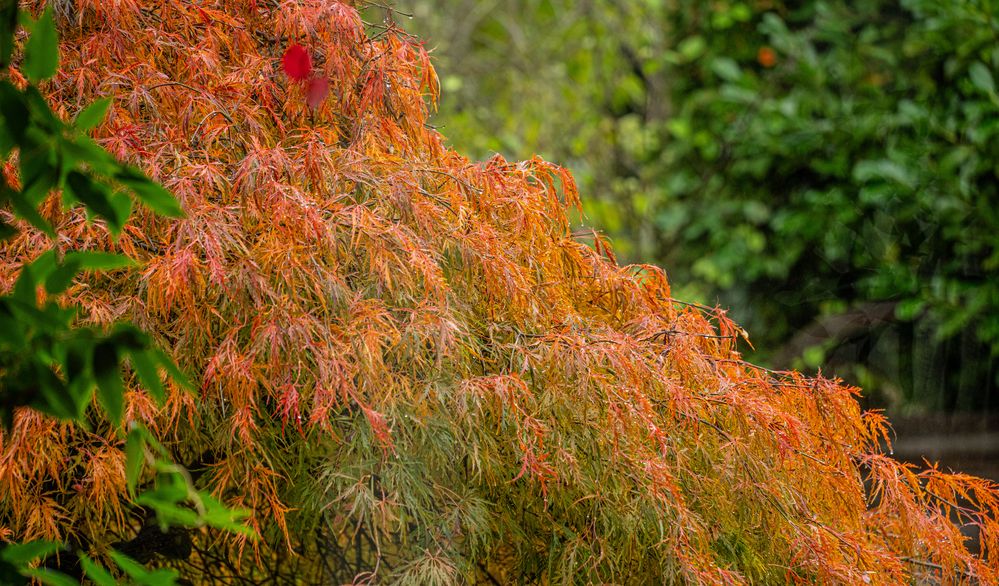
[{"x": 411, "y": 369}]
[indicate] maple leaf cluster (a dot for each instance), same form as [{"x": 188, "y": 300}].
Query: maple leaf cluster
[
  {"x": 298, "y": 65},
  {"x": 410, "y": 367}
]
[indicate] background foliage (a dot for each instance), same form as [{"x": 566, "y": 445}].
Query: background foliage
[{"x": 826, "y": 169}]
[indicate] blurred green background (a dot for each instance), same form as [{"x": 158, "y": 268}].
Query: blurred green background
[{"x": 827, "y": 169}]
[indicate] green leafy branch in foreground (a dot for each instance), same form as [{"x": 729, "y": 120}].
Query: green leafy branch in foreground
[{"x": 46, "y": 362}]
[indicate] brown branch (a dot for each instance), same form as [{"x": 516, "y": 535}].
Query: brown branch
[
  {"x": 452, "y": 177},
  {"x": 203, "y": 92},
  {"x": 665, "y": 333}
]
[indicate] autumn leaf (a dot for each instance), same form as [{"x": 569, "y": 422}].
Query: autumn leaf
[
  {"x": 297, "y": 63},
  {"x": 316, "y": 92}
]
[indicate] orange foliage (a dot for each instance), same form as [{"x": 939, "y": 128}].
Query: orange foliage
[{"x": 408, "y": 355}]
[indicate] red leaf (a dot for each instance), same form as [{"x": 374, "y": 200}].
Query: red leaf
[
  {"x": 316, "y": 92},
  {"x": 297, "y": 63}
]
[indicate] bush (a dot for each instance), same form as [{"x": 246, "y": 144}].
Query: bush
[{"x": 410, "y": 369}]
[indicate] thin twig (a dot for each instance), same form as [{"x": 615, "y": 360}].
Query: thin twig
[{"x": 452, "y": 177}]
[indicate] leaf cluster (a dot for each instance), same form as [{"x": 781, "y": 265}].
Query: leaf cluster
[{"x": 47, "y": 361}]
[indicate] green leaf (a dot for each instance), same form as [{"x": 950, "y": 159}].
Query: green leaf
[
  {"x": 95, "y": 196},
  {"x": 134, "y": 569},
  {"x": 96, "y": 573},
  {"x": 885, "y": 170},
  {"x": 107, "y": 372},
  {"x": 173, "y": 370},
  {"x": 814, "y": 356},
  {"x": 909, "y": 309},
  {"x": 7, "y": 143},
  {"x": 59, "y": 279},
  {"x": 692, "y": 47},
  {"x": 44, "y": 265},
  {"x": 982, "y": 78},
  {"x": 92, "y": 115},
  {"x": 726, "y": 69},
  {"x": 51, "y": 577},
  {"x": 122, "y": 204},
  {"x": 83, "y": 149},
  {"x": 135, "y": 450},
  {"x": 12, "y": 575},
  {"x": 55, "y": 397},
  {"x": 24, "y": 209},
  {"x": 130, "y": 338},
  {"x": 144, "y": 363},
  {"x": 221, "y": 517},
  {"x": 8, "y": 24},
  {"x": 161, "y": 577},
  {"x": 161, "y": 465},
  {"x": 76, "y": 367},
  {"x": 171, "y": 487},
  {"x": 152, "y": 194},
  {"x": 25, "y": 553},
  {"x": 6, "y": 231},
  {"x": 41, "y": 54},
  {"x": 11, "y": 329},
  {"x": 24, "y": 287},
  {"x": 100, "y": 261},
  {"x": 42, "y": 113},
  {"x": 169, "y": 514},
  {"x": 14, "y": 110},
  {"x": 128, "y": 565}
]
